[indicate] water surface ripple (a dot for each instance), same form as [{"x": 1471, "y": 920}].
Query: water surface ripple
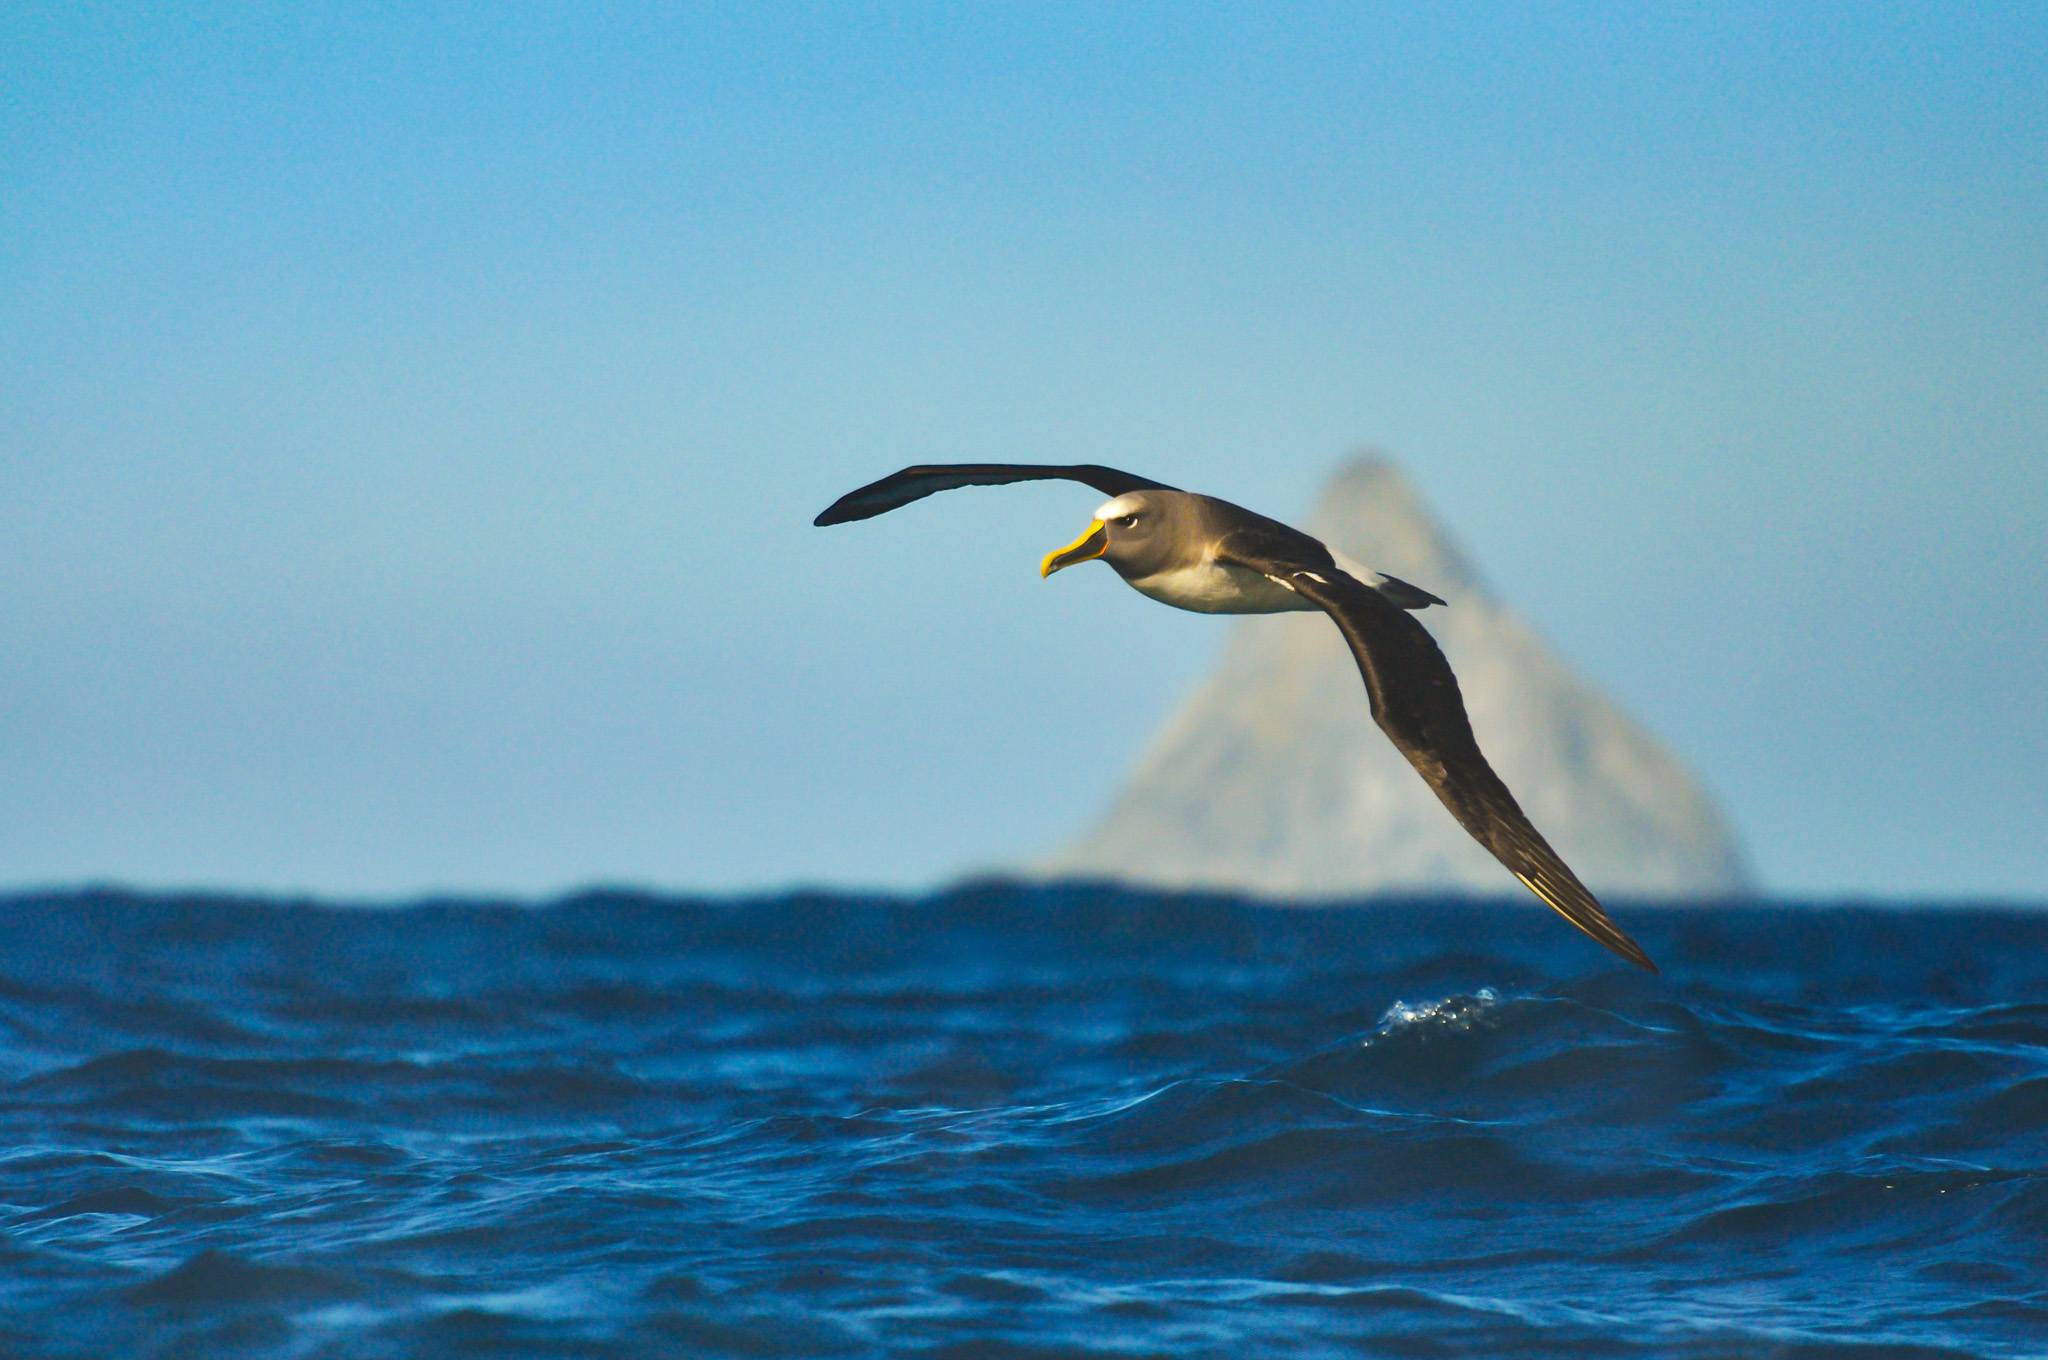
[{"x": 1017, "y": 1122}]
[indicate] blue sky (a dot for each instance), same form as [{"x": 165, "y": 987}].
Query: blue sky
[{"x": 411, "y": 418}]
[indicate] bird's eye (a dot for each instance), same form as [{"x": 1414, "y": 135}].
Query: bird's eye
[{"x": 1127, "y": 520}]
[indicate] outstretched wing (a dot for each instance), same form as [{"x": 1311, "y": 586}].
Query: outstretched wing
[
  {"x": 1416, "y": 701},
  {"x": 915, "y": 483}
]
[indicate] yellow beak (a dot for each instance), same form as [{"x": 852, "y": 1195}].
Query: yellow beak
[{"x": 1094, "y": 543}]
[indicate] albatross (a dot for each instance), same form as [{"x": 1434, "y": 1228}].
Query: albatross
[{"x": 1203, "y": 554}]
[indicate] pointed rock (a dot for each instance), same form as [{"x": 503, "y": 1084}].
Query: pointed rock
[{"x": 1272, "y": 777}]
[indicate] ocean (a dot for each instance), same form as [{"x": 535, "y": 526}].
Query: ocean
[{"x": 1017, "y": 1121}]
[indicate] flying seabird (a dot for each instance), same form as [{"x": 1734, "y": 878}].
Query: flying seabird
[{"x": 1207, "y": 555}]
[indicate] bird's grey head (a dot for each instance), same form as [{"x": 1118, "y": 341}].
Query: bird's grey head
[{"x": 1140, "y": 533}]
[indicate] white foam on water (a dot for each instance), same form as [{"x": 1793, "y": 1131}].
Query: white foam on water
[{"x": 1451, "y": 1013}]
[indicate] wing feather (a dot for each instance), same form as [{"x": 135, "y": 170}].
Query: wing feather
[
  {"x": 1416, "y": 701},
  {"x": 915, "y": 483}
]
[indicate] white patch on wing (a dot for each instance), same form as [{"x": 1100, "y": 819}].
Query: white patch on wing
[
  {"x": 1364, "y": 575},
  {"x": 1376, "y": 579}
]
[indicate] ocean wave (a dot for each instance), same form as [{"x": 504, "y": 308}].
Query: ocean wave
[{"x": 1015, "y": 1121}]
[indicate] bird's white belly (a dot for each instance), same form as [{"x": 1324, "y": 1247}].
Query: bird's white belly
[{"x": 1213, "y": 588}]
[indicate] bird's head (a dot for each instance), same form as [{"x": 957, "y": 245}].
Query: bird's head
[{"x": 1133, "y": 533}]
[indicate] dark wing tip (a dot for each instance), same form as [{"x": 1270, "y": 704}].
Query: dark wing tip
[
  {"x": 915, "y": 483},
  {"x": 884, "y": 494},
  {"x": 1570, "y": 899},
  {"x": 1633, "y": 952}
]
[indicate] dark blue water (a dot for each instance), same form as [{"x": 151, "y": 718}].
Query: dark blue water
[{"x": 1017, "y": 1123}]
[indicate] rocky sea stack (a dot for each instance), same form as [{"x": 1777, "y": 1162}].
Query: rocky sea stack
[{"x": 1273, "y": 779}]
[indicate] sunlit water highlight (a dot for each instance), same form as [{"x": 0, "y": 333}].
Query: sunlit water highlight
[{"x": 1013, "y": 1122}]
